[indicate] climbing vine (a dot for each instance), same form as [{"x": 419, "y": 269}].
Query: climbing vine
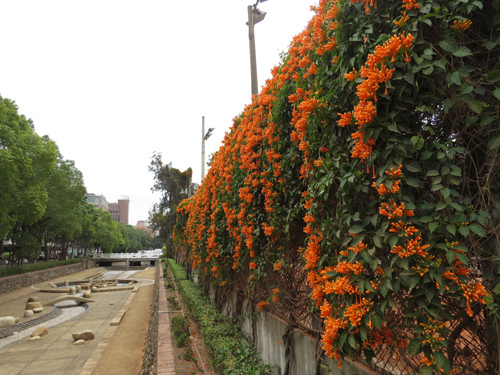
[{"x": 361, "y": 181}]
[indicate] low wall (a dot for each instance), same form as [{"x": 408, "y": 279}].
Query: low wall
[
  {"x": 150, "y": 359},
  {"x": 11, "y": 283},
  {"x": 270, "y": 335}
]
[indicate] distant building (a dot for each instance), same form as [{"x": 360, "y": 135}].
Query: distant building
[
  {"x": 98, "y": 201},
  {"x": 119, "y": 210},
  {"x": 143, "y": 225}
]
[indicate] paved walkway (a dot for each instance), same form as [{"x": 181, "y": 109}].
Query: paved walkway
[{"x": 119, "y": 320}]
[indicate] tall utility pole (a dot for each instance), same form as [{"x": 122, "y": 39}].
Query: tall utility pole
[
  {"x": 254, "y": 16},
  {"x": 202, "y": 148},
  {"x": 204, "y": 137}
]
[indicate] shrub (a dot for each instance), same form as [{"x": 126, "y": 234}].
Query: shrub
[{"x": 17, "y": 270}]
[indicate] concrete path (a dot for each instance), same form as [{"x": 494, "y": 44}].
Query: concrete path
[{"x": 119, "y": 320}]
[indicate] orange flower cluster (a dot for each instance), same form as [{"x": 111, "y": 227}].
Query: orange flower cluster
[
  {"x": 367, "y": 3},
  {"x": 262, "y": 305},
  {"x": 355, "y": 312},
  {"x": 461, "y": 25},
  {"x": 473, "y": 292},
  {"x": 410, "y": 4},
  {"x": 432, "y": 331},
  {"x": 374, "y": 73}
]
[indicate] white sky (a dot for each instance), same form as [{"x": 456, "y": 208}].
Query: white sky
[{"x": 112, "y": 81}]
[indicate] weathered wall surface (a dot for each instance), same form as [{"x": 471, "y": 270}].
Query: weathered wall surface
[
  {"x": 11, "y": 283},
  {"x": 268, "y": 332}
]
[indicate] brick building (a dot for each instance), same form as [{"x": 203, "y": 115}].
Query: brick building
[{"x": 120, "y": 210}]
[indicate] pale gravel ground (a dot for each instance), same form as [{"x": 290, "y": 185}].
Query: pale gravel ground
[{"x": 67, "y": 314}]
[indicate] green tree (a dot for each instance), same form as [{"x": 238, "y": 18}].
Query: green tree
[
  {"x": 108, "y": 237},
  {"x": 174, "y": 186},
  {"x": 87, "y": 238},
  {"x": 26, "y": 162},
  {"x": 134, "y": 239},
  {"x": 124, "y": 245},
  {"x": 62, "y": 221}
]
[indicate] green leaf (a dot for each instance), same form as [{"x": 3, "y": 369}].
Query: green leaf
[
  {"x": 494, "y": 142},
  {"x": 496, "y": 93},
  {"x": 442, "y": 362},
  {"x": 449, "y": 44},
  {"x": 428, "y": 71},
  {"x": 493, "y": 76},
  {"x": 413, "y": 166},
  {"x": 497, "y": 289},
  {"x": 478, "y": 229},
  {"x": 432, "y": 172},
  {"x": 463, "y": 230},
  {"x": 393, "y": 128},
  {"x": 352, "y": 341},
  {"x": 425, "y": 155},
  {"x": 470, "y": 120},
  {"x": 415, "y": 182},
  {"x": 462, "y": 257},
  {"x": 414, "y": 346},
  {"x": 362, "y": 333},
  {"x": 447, "y": 104},
  {"x": 451, "y": 229},
  {"x": 455, "y": 78},
  {"x": 432, "y": 226},
  {"x": 426, "y": 219},
  {"x": 476, "y": 106},
  {"x": 425, "y": 370},
  {"x": 441, "y": 205},
  {"x": 445, "y": 192},
  {"x": 450, "y": 256},
  {"x": 462, "y": 51},
  {"x": 377, "y": 321},
  {"x": 357, "y": 229}
]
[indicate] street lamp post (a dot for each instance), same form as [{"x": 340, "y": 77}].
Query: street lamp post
[
  {"x": 254, "y": 16},
  {"x": 204, "y": 137}
]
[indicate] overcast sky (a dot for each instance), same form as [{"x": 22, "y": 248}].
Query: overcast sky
[{"x": 112, "y": 81}]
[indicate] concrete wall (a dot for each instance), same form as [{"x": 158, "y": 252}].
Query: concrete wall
[
  {"x": 11, "y": 283},
  {"x": 267, "y": 330}
]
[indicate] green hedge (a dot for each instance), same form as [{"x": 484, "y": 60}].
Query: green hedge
[
  {"x": 25, "y": 268},
  {"x": 231, "y": 352}
]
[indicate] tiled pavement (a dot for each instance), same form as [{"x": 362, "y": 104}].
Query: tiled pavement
[
  {"x": 165, "y": 357},
  {"x": 55, "y": 353}
]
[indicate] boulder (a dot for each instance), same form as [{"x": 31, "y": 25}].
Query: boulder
[
  {"x": 72, "y": 291},
  {"x": 8, "y": 321},
  {"x": 40, "y": 331},
  {"x": 87, "y": 335},
  {"x": 37, "y": 310},
  {"x": 111, "y": 303},
  {"x": 79, "y": 342},
  {"x": 84, "y": 335},
  {"x": 94, "y": 289},
  {"x": 33, "y": 305},
  {"x": 52, "y": 285},
  {"x": 33, "y": 299},
  {"x": 87, "y": 294},
  {"x": 28, "y": 314}
]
